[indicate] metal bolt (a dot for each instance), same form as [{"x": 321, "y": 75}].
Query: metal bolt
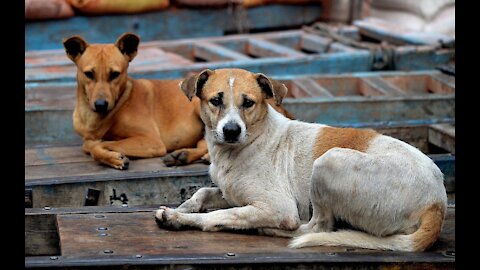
[
  {"x": 138, "y": 256},
  {"x": 108, "y": 251},
  {"x": 102, "y": 228},
  {"x": 450, "y": 253},
  {"x": 46, "y": 208},
  {"x": 99, "y": 216},
  {"x": 54, "y": 258},
  {"x": 103, "y": 234},
  {"x": 230, "y": 254}
]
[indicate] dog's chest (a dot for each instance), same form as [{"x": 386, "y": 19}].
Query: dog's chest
[{"x": 224, "y": 178}]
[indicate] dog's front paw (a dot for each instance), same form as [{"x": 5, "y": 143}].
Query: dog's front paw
[
  {"x": 206, "y": 159},
  {"x": 176, "y": 158},
  {"x": 121, "y": 162},
  {"x": 166, "y": 218}
]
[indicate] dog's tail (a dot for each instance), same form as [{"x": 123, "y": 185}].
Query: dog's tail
[{"x": 431, "y": 222}]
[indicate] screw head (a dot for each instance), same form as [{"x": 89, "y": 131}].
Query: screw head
[
  {"x": 47, "y": 208},
  {"x": 53, "y": 258},
  {"x": 102, "y": 228},
  {"x": 124, "y": 205},
  {"x": 230, "y": 254},
  {"x": 99, "y": 216},
  {"x": 138, "y": 256},
  {"x": 108, "y": 251},
  {"x": 449, "y": 253}
]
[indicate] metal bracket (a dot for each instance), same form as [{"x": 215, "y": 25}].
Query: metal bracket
[{"x": 91, "y": 197}]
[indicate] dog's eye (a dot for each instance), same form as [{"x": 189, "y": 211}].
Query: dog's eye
[
  {"x": 247, "y": 103},
  {"x": 216, "y": 101},
  {"x": 114, "y": 75},
  {"x": 89, "y": 74}
]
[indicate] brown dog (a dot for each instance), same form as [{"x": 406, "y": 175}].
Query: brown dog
[{"x": 118, "y": 116}]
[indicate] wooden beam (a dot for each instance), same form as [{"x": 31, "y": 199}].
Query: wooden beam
[
  {"x": 382, "y": 86},
  {"x": 213, "y": 52},
  {"x": 443, "y": 136},
  {"x": 310, "y": 88},
  {"x": 149, "y": 246},
  {"x": 263, "y": 48}
]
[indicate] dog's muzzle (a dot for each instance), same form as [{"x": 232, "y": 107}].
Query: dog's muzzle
[
  {"x": 231, "y": 132},
  {"x": 101, "y": 105}
]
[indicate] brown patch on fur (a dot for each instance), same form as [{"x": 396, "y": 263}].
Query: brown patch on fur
[
  {"x": 431, "y": 221},
  {"x": 330, "y": 137}
]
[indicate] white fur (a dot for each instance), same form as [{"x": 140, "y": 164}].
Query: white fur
[
  {"x": 270, "y": 180},
  {"x": 233, "y": 116}
]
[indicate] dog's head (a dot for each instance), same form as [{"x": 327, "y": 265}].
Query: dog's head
[
  {"x": 102, "y": 68},
  {"x": 233, "y": 101}
]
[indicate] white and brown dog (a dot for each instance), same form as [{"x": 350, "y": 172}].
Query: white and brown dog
[{"x": 269, "y": 169}]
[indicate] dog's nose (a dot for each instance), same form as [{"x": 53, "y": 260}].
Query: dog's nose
[
  {"x": 101, "y": 105},
  {"x": 231, "y": 131}
]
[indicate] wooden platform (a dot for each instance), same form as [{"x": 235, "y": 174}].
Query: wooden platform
[
  {"x": 172, "y": 23},
  {"x": 354, "y": 99},
  {"x": 294, "y": 52},
  {"x": 65, "y": 176},
  {"x": 119, "y": 238}
]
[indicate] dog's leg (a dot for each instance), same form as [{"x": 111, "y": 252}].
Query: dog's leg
[
  {"x": 245, "y": 217},
  {"x": 99, "y": 153},
  {"x": 205, "y": 198},
  {"x": 140, "y": 147},
  {"x": 114, "y": 153},
  {"x": 186, "y": 155}
]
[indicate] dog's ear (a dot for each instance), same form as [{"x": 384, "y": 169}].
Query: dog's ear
[
  {"x": 74, "y": 47},
  {"x": 272, "y": 88},
  {"x": 193, "y": 85},
  {"x": 128, "y": 45}
]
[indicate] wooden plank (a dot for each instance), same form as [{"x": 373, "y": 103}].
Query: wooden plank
[
  {"x": 314, "y": 43},
  {"x": 50, "y": 96},
  {"x": 443, "y": 136},
  {"x": 395, "y": 34},
  {"x": 446, "y": 163},
  {"x": 420, "y": 57},
  {"x": 382, "y": 86},
  {"x": 357, "y": 110},
  {"x": 307, "y": 87},
  {"x": 263, "y": 48},
  {"x": 49, "y": 106},
  {"x": 172, "y": 23},
  {"x": 60, "y": 176},
  {"x": 55, "y": 155},
  {"x": 41, "y": 235},
  {"x": 441, "y": 83},
  {"x": 49, "y": 126},
  {"x": 79, "y": 237},
  {"x": 178, "y": 59},
  {"x": 213, "y": 52},
  {"x": 82, "y": 246}
]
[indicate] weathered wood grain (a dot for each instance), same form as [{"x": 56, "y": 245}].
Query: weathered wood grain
[
  {"x": 41, "y": 235},
  {"x": 138, "y": 233}
]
